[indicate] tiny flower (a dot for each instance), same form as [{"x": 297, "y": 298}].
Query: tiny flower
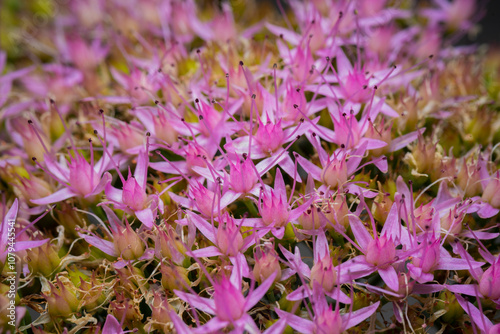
[
  {"x": 242, "y": 176},
  {"x": 229, "y": 238},
  {"x": 489, "y": 285},
  {"x": 381, "y": 251},
  {"x": 127, "y": 243},
  {"x": 266, "y": 263},
  {"x": 324, "y": 273},
  {"x": 62, "y": 300}
]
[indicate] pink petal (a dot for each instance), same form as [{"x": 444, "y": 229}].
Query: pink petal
[
  {"x": 141, "y": 169},
  {"x": 213, "y": 325},
  {"x": 310, "y": 168},
  {"x": 256, "y": 295},
  {"x": 204, "y": 304},
  {"x": 206, "y": 252},
  {"x": 112, "y": 325},
  {"x": 360, "y": 233},
  {"x": 179, "y": 324},
  {"x": 146, "y": 217},
  {"x": 451, "y": 263},
  {"x": 58, "y": 196},
  {"x": 104, "y": 245},
  {"x": 301, "y": 325},
  {"x": 482, "y": 322},
  {"x": 22, "y": 245},
  {"x": 468, "y": 289},
  {"x": 390, "y": 277},
  {"x": 289, "y": 36},
  {"x": 101, "y": 185},
  {"x": 356, "y": 317}
]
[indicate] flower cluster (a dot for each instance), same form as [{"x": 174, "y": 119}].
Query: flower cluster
[{"x": 192, "y": 167}]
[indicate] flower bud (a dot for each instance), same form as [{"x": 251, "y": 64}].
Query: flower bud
[
  {"x": 133, "y": 195},
  {"x": 164, "y": 130},
  {"x": 469, "y": 179},
  {"x": 128, "y": 244},
  {"x": 406, "y": 285},
  {"x": 428, "y": 257},
  {"x": 229, "y": 238},
  {"x": 229, "y": 301},
  {"x": 489, "y": 284},
  {"x": 127, "y": 136},
  {"x": 382, "y": 206},
  {"x": 324, "y": 273},
  {"x": 82, "y": 175},
  {"x": 174, "y": 277},
  {"x": 266, "y": 263},
  {"x": 423, "y": 217},
  {"x": 32, "y": 144},
  {"x": 337, "y": 211},
  {"x": 335, "y": 173},
  {"x": 160, "y": 314},
  {"x": 269, "y": 136},
  {"x": 126, "y": 309},
  {"x": 43, "y": 260},
  {"x": 309, "y": 219},
  {"x": 131, "y": 279},
  {"x": 491, "y": 193},
  {"x": 62, "y": 300},
  {"x": 31, "y": 187},
  {"x": 380, "y": 251},
  {"x": 449, "y": 302},
  {"x": 194, "y": 157},
  {"x": 382, "y": 133},
  {"x": 170, "y": 246},
  {"x": 452, "y": 222},
  {"x": 423, "y": 156},
  {"x": 92, "y": 292},
  {"x": 242, "y": 176},
  {"x": 274, "y": 209},
  {"x": 328, "y": 321},
  {"x": 204, "y": 200},
  {"x": 354, "y": 87}
]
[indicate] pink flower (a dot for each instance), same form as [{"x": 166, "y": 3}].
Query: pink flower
[
  {"x": 381, "y": 251},
  {"x": 489, "y": 284}
]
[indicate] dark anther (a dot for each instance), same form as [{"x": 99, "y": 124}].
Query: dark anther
[
  {"x": 201, "y": 117},
  {"x": 295, "y": 106},
  {"x": 241, "y": 63}
]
